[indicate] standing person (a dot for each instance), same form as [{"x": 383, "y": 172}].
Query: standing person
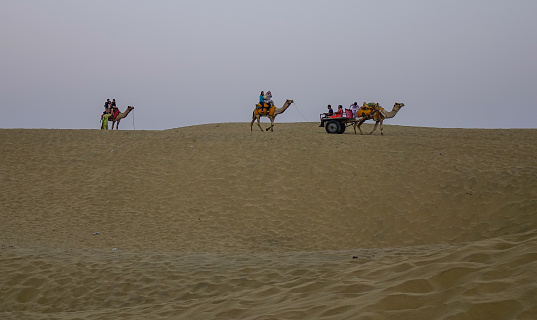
[
  {"x": 104, "y": 119},
  {"x": 354, "y": 107}
]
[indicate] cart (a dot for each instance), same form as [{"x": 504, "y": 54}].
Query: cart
[{"x": 338, "y": 124}]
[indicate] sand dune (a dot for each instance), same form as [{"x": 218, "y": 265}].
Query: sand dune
[{"x": 217, "y": 222}]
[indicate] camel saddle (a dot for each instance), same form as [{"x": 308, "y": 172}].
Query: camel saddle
[
  {"x": 367, "y": 109},
  {"x": 113, "y": 115},
  {"x": 265, "y": 110}
]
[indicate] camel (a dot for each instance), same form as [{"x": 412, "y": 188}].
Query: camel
[
  {"x": 378, "y": 116},
  {"x": 120, "y": 116},
  {"x": 277, "y": 111}
]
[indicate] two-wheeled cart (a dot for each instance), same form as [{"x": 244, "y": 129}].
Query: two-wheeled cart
[{"x": 335, "y": 124}]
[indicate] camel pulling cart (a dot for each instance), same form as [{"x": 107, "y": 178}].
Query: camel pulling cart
[
  {"x": 371, "y": 111},
  {"x": 338, "y": 124}
]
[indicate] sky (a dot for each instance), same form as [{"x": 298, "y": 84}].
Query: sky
[{"x": 453, "y": 63}]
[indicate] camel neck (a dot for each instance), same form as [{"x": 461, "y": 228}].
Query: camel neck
[
  {"x": 283, "y": 108},
  {"x": 392, "y": 113}
]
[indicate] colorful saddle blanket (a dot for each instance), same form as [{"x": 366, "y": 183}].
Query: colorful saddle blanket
[
  {"x": 367, "y": 109},
  {"x": 265, "y": 110}
]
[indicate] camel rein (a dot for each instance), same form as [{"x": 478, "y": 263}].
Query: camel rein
[{"x": 300, "y": 112}]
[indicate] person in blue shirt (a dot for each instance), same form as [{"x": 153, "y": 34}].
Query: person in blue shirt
[
  {"x": 262, "y": 98},
  {"x": 327, "y": 114},
  {"x": 330, "y": 111}
]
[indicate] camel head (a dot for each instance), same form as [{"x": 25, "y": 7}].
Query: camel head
[
  {"x": 398, "y": 105},
  {"x": 130, "y": 107},
  {"x": 286, "y": 105}
]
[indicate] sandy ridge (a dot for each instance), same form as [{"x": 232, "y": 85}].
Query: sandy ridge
[{"x": 215, "y": 221}]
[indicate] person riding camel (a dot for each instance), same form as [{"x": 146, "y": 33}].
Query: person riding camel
[
  {"x": 261, "y": 101},
  {"x": 107, "y": 104},
  {"x": 114, "y": 109},
  {"x": 268, "y": 100},
  {"x": 262, "y": 98}
]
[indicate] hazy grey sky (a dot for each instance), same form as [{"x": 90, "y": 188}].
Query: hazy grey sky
[{"x": 454, "y": 63}]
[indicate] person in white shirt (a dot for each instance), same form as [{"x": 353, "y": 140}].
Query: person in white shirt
[
  {"x": 354, "y": 107},
  {"x": 268, "y": 98}
]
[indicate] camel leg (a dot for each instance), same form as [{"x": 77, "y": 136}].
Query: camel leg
[
  {"x": 271, "y": 128},
  {"x": 381, "y": 127},
  {"x": 259, "y": 123},
  {"x": 359, "y": 125},
  {"x": 375, "y": 127},
  {"x": 253, "y": 120},
  {"x": 360, "y": 128},
  {"x": 117, "y": 125}
]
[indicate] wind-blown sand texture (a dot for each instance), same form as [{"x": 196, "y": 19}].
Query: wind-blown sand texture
[{"x": 217, "y": 222}]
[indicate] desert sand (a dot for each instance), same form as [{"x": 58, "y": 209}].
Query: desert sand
[{"x": 217, "y": 222}]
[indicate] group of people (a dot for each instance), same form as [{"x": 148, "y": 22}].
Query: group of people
[
  {"x": 340, "y": 112},
  {"x": 265, "y": 101},
  {"x": 110, "y": 111}
]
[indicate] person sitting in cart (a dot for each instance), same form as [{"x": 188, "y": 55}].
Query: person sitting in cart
[
  {"x": 339, "y": 112},
  {"x": 326, "y": 114},
  {"x": 330, "y": 111}
]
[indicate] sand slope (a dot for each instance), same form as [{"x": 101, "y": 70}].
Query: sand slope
[{"x": 217, "y": 222}]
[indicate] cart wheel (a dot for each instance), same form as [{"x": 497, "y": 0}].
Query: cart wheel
[
  {"x": 332, "y": 126},
  {"x": 342, "y": 129}
]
